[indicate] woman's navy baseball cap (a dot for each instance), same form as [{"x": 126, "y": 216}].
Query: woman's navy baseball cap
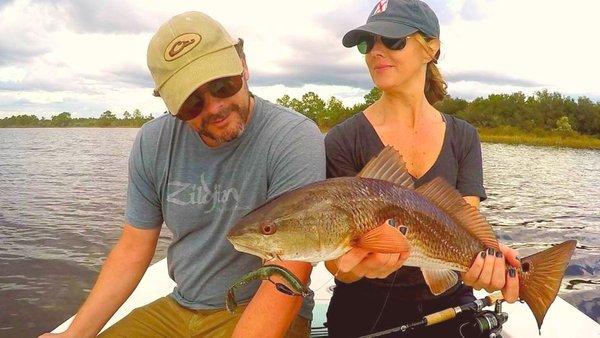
[{"x": 396, "y": 19}]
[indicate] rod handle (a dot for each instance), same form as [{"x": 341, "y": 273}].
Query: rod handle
[{"x": 440, "y": 316}]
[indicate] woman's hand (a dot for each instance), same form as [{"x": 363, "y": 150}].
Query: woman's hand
[
  {"x": 489, "y": 272},
  {"x": 363, "y": 263},
  {"x": 359, "y": 262}
]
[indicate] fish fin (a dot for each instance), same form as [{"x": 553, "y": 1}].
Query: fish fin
[
  {"x": 467, "y": 216},
  {"x": 439, "y": 280},
  {"x": 389, "y": 166},
  {"x": 383, "y": 239},
  {"x": 540, "y": 277}
]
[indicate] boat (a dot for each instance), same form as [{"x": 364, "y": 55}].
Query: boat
[{"x": 562, "y": 320}]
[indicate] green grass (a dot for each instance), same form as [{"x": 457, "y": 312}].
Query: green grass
[{"x": 511, "y": 135}]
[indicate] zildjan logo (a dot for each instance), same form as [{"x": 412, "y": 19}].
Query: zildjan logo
[{"x": 181, "y": 45}]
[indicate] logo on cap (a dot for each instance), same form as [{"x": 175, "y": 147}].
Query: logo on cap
[
  {"x": 380, "y": 7},
  {"x": 181, "y": 45}
]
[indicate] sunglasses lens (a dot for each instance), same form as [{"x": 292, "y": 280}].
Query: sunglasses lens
[
  {"x": 190, "y": 108},
  {"x": 365, "y": 44},
  {"x": 226, "y": 87},
  {"x": 221, "y": 88},
  {"x": 394, "y": 44},
  {"x": 363, "y": 47}
]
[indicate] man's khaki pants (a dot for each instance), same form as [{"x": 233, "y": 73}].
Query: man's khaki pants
[{"x": 166, "y": 318}]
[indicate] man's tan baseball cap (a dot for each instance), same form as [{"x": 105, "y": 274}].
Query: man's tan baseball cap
[{"x": 188, "y": 51}]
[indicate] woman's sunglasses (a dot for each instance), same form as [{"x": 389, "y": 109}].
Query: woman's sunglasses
[
  {"x": 366, "y": 43},
  {"x": 221, "y": 88}
]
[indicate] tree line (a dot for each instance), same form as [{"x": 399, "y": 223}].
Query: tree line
[
  {"x": 65, "y": 119},
  {"x": 541, "y": 112}
]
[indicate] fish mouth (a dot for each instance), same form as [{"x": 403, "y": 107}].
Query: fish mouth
[
  {"x": 249, "y": 249},
  {"x": 252, "y": 250}
]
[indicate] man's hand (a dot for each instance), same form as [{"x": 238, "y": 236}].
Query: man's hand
[{"x": 489, "y": 272}]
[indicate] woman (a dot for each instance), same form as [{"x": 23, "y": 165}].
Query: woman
[{"x": 401, "y": 45}]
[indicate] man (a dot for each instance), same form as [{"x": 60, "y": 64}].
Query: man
[{"x": 222, "y": 153}]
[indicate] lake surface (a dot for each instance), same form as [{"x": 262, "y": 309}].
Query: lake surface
[{"x": 62, "y": 198}]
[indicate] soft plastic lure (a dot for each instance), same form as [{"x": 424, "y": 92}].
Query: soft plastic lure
[{"x": 295, "y": 288}]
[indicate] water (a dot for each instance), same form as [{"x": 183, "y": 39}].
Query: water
[{"x": 62, "y": 197}]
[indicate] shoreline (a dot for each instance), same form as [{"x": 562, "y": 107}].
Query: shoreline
[
  {"x": 514, "y": 136},
  {"x": 503, "y": 135}
]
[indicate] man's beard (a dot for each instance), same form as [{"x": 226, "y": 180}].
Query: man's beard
[{"x": 232, "y": 132}]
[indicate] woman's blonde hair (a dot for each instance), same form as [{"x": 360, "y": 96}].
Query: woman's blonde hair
[{"x": 435, "y": 86}]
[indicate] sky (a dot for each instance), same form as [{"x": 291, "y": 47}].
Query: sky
[{"x": 86, "y": 57}]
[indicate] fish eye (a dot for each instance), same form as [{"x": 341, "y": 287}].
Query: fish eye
[
  {"x": 403, "y": 229},
  {"x": 267, "y": 228},
  {"x": 525, "y": 267}
]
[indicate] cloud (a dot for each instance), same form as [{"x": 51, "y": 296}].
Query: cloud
[
  {"x": 340, "y": 20},
  {"x": 106, "y": 16},
  {"x": 443, "y": 10},
  {"x": 25, "y": 31},
  {"x": 299, "y": 75},
  {"x": 491, "y": 78},
  {"x": 470, "y": 90},
  {"x": 320, "y": 60},
  {"x": 474, "y": 10},
  {"x": 86, "y": 57},
  {"x": 8, "y": 104},
  {"x": 11, "y": 53},
  {"x": 37, "y": 103},
  {"x": 131, "y": 75},
  {"x": 45, "y": 85},
  {"x": 89, "y": 104},
  {"x": 4, "y": 3}
]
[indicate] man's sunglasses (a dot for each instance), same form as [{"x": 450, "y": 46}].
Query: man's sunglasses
[
  {"x": 221, "y": 88},
  {"x": 366, "y": 43}
]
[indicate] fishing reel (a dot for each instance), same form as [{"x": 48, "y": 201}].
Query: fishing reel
[
  {"x": 485, "y": 323},
  {"x": 477, "y": 322}
]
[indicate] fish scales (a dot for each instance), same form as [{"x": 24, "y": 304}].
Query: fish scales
[{"x": 442, "y": 242}]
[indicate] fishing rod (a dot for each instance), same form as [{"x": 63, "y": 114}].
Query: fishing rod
[{"x": 484, "y": 324}]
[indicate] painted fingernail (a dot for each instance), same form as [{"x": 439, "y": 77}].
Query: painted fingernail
[
  {"x": 499, "y": 254},
  {"x": 392, "y": 222},
  {"x": 511, "y": 272},
  {"x": 490, "y": 251},
  {"x": 483, "y": 254}
]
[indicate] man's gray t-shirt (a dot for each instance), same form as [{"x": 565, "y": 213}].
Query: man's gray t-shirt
[{"x": 200, "y": 192}]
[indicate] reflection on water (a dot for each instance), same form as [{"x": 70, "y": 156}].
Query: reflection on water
[
  {"x": 62, "y": 195},
  {"x": 541, "y": 196},
  {"x": 574, "y": 284}
]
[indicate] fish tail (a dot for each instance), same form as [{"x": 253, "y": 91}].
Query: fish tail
[{"x": 540, "y": 277}]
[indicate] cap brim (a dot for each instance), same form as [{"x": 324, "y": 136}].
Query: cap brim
[
  {"x": 382, "y": 28},
  {"x": 177, "y": 89}
]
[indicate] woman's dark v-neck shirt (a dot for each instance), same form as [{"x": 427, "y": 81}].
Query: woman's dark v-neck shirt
[{"x": 352, "y": 143}]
